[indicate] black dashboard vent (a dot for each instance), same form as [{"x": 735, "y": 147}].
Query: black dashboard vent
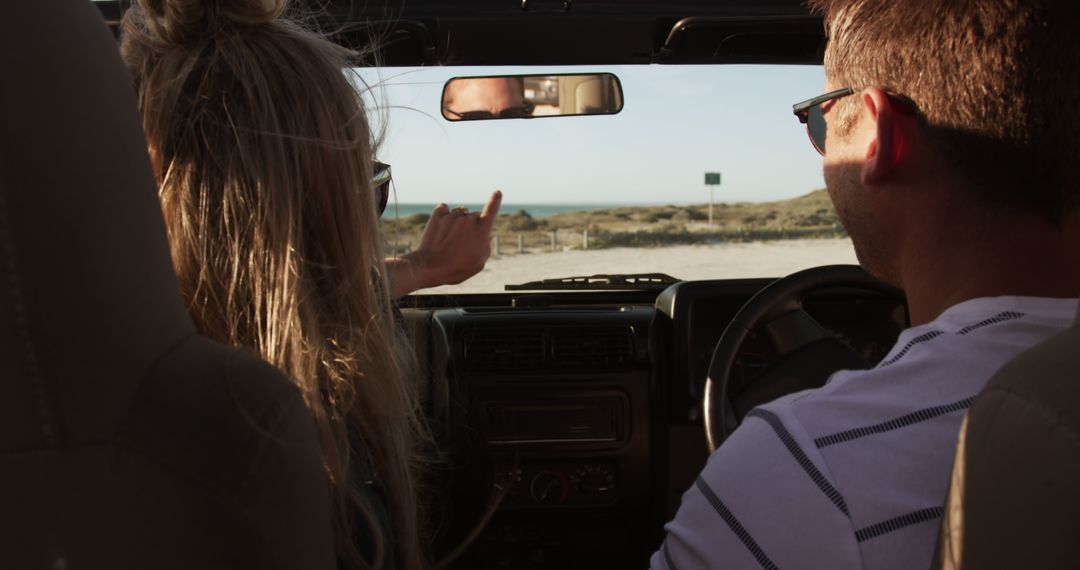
[
  {"x": 591, "y": 348},
  {"x": 543, "y": 349},
  {"x": 490, "y": 350}
]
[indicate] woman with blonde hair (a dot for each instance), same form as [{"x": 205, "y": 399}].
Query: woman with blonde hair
[{"x": 263, "y": 157}]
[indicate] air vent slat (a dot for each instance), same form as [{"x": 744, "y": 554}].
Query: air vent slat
[
  {"x": 492, "y": 350},
  {"x": 549, "y": 349},
  {"x": 592, "y": 348}
]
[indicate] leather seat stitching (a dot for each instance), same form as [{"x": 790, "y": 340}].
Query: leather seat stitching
[{"x": 49, "y": 428}]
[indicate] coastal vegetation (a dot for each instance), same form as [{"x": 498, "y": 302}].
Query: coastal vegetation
[{"x": 811, "y": 215}]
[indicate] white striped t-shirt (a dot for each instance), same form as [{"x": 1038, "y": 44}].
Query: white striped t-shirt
[{"x": 855, "y": 474}]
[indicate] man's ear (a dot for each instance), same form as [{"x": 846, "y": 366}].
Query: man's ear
[{"x": 887, "y": 147}]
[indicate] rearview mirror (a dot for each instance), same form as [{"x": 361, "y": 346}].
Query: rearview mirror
[{"x": 531, "y": 96}]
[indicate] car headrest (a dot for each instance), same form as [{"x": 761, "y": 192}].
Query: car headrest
[{"x": 88, "y": 297}]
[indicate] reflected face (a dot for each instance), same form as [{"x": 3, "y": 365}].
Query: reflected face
[{"x": 484, "y": 98}]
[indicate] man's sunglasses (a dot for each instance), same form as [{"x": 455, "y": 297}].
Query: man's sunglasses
[
  {"x": 810, "y": 114},
  {"x": 380, "y": 185},
  {"x": 525, "y": 110}
]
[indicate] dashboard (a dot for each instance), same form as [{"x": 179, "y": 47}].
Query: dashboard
[{"x": 569, "y": 424}]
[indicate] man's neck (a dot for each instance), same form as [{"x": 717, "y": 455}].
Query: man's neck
[{"x": 1021, "y": 257}]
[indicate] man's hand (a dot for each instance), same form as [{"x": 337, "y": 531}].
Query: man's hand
[{"x": 455, "y": 245}]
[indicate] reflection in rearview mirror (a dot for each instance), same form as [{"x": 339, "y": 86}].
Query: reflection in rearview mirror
[{"x": 529, "y": 96}]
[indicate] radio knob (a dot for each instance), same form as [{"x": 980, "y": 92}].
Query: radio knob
[{"x": 549, "y": 488}]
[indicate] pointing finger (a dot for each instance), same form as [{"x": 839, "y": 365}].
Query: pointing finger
[{"x": 491, "y": 209}]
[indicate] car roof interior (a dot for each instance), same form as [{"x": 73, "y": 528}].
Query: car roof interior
[{"x": 567, "y": 32}]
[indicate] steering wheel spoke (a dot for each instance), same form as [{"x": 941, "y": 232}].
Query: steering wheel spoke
[
  {"x": 809, "y": 353},
  {"x": 793, "y": 330}
]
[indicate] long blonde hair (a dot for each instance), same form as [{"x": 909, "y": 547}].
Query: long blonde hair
[{"x": 263, "y": 156}]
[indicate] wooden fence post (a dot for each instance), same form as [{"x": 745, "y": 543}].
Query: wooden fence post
[{"x": 521, "y": 243}]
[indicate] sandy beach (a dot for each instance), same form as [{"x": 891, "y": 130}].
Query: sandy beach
[{"x": 688, "y": 262}]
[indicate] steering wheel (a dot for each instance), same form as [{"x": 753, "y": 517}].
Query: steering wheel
[{"x": 809, "y": 353}]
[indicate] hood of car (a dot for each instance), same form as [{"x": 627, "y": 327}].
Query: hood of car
[{"x": 566, "y": 32}]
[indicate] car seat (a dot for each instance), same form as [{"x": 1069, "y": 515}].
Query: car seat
[
  {"x": 127, "y": 440},
  {"x": 1015, "y": 497}
]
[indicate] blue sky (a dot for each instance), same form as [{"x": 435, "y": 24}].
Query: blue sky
[{"x": 678, "y": 122}]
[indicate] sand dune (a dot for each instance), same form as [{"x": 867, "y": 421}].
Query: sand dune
[{"x": 718, "y": 261}]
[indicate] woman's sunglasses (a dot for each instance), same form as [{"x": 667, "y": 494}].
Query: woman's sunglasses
[
  {"x": 810, "y": 114},
  {"x": 380, "y": 185}
]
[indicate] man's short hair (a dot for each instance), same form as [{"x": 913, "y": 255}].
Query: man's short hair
[
  {"x": 997, "y": 83},
  {"x": 450, "y": 93}
]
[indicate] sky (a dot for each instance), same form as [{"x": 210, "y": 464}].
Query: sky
[{"x": 678, "y": 122}]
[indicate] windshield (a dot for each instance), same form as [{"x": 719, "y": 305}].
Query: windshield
[{"x": 622, "y": 193}]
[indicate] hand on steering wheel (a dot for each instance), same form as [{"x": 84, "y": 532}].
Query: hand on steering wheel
[{"x": 809, "y": 353}]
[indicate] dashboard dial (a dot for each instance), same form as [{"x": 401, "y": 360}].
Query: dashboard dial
[{"x": 549, "y": 488}]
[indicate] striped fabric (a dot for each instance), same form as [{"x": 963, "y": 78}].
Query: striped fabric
[
  {"x": 854, "y": 475},
  {"x": 919, "y": 416}
]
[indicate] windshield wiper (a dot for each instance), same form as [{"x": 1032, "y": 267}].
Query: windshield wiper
[{"x": 633, "y": 281}]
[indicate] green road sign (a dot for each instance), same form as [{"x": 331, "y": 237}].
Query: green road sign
[{"x": 712, "y": 178}]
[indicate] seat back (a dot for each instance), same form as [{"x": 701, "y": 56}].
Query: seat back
[
  {"x": 126, "y": 439},
  {"x": 1015, "y": 495}
]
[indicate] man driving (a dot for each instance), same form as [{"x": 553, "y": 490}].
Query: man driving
[{"x": 949, "y": 131}]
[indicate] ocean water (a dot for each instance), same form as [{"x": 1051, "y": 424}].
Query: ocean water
[{"x": 403, "y": 210}]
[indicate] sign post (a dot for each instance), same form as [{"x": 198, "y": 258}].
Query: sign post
[{"x": 712, "y": 179}]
